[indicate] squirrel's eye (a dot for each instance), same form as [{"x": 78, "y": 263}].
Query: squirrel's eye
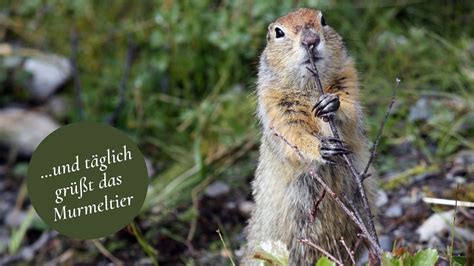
[
  {"x": 279, "y": 33},
  {"x": 323, "y": 22}
]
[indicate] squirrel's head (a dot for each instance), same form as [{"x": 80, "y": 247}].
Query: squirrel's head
[{"x": 285, "y": 56}]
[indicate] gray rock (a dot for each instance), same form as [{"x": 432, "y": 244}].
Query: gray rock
[
  {"x": 421, "y": 111},
  {"x": 24, "y": 129},
  {"x": 394, "y": 211},
  {"x": 382, "y": 198},
  {"x": 230, "y": 205},
  {"x": 386, "y": 242},
  {"x": 57, "y": 107},
  {"x": 246, "y": 207},
  {"x": 49, "y": 72},
  {"x": 149, "y": 167},
  {"x": 435, "y": 224},
  {"x": 465, "y": 233},
  {"x": 465, "y": 160},
  {"x": 410, "y": 200},
  {"x": 217, "y": 189},
  {"x": 15, "y": 218}
]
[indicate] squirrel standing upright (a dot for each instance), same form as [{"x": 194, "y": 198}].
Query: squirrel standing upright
[{"x": 292, "y": 112}]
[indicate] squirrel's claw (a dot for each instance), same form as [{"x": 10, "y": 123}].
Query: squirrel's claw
[
  {"x": 329, "y": 148},
  {"x": 327, "y": 104}
]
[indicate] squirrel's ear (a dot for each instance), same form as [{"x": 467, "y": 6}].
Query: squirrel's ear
[{"x": 323, "y": 21}]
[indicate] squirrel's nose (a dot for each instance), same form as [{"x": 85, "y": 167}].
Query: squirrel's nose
[{"x": 310, "y": 38}]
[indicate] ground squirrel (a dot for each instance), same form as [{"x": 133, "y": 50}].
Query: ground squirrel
[{"x": 289, "y": 104}]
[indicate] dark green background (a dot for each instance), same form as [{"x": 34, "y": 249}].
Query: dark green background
[{"x": 85, "y": 139}]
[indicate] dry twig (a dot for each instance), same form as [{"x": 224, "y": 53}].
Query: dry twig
[
  {"x": 365, "y": 174},
  {"x": 352, "y": 215},
  {"x": 322, "y": 250},
  {"x": 357, "y": 176},
  {"x": 314, "y": 210},
  {"x": 351, "y": 256}
]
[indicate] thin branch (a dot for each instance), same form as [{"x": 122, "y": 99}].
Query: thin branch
[
  {"x": 357, "y": 244},
  {"x": 123, "y": 83},
  {"x": 76, "y": 74},
  {"x": 357, "y": 177},
  {"x": 351, "y": 256},
  {"x": 314, "y": 210},
  {"x": 372, "y": 241},
  {"x": 352, "y": 206},
  {"x": 327, "y": 254},
  {"x": 379, "y": 134},
  {"x": 294, "y": 147}
]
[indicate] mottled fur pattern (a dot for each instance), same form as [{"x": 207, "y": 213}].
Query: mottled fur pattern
[{"x": 283, "y": 191}]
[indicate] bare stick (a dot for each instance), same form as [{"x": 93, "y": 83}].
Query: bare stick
[
  {"x": 75, "y": 73},
  {"x": 351, "y": 256},
  {"x": 379, "y": 134},
  {"x": 352, "y": 206},
  {"x": 316, "y": 206},
  {"x": 294, "y": 147},
  {"x": 357, "y": 244},
  {"x": 360, "y": 223},
  {"x": 355, "y": 174},
  {"x": 373, "y": 242},
  {"x": 327, "y": 254},
  {"x": 123, "y": 83}
]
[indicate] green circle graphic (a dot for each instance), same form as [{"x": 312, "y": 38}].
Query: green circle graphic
[{"x": 87, "y": 180}]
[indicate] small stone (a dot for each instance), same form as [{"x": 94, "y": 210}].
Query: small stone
[
  {"x": 465, "y": 233},
  {"x": 149, "y": 167},
  {"x": 24, "y": 129},
  {"x": 385, "y": 242},
  {"x": 464, "y": 160},
  {"x": 406, "y": 200},
  {"x": 49, "y": 72},
  {"x": 421, "y": 111},
  {"x": 382, "y": 198},
  {"x": 15, "y": 218},
  {"x": 436, "y": 223},
  {"x": 217, "y": 189},
  {"x": 246, "y": 207},
  {"x": 27, "y": 253},
  {"x": 394, "y": 211},
  {"x": 57, "y": 107},
  {"x": 460, "y": 180},
  {"x": 231, "y": 205}
]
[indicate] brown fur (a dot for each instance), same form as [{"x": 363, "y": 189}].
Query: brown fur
[{"x": 283, "y": 191}]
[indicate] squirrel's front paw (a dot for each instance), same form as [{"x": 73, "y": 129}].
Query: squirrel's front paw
[
  {"x": 329, "y": 148},
  {"x": 327, "y": 104}
]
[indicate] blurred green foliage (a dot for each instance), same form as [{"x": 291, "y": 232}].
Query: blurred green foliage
[{"x": 189, "y": 100}]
